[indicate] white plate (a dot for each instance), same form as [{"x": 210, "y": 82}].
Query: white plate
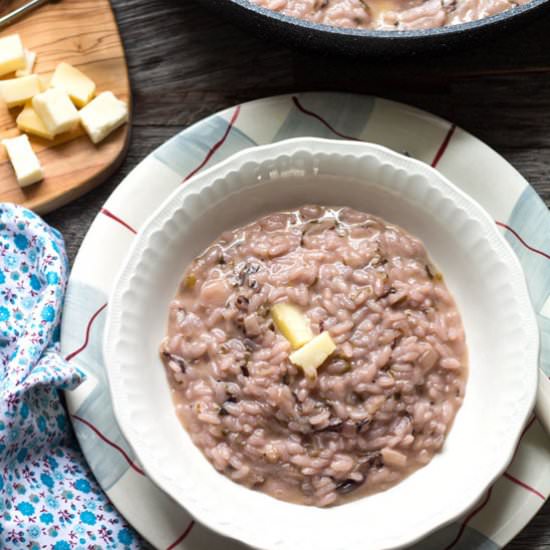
[
  {"x": 480, "y": 268},
  {"x": 509, "y": 504}
]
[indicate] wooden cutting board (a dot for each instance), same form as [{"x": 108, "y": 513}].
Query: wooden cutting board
[{"x": 83, "y": 33}]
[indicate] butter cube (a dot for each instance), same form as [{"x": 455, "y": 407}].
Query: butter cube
[
  {"x": 80, "y": 88},
  {"x": 28, "y": 121},
  {"x": 102, "y": 115},
  {"x": 313, "y": 354},
  {"x": 17, "y": 91},
  {"x": 30, "y": 58},
  {"x": 24, "y": 161},
  {"x": 12, "y": 54},
  {"x": 56, "y": 111},
  {"x": 292, "y": 324}
]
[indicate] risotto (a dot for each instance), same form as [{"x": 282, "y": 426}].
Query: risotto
[
  {"x": 389, "y": 14},
  {"x": 316, "y": 355}
]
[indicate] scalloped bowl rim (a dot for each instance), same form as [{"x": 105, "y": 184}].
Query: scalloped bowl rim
[{"x": 209, "y": 178}]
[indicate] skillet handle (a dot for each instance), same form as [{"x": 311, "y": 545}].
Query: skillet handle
[{"x": 5, "y": 20}]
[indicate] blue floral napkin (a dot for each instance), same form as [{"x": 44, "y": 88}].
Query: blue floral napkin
[{"x": 48, "y": 496}]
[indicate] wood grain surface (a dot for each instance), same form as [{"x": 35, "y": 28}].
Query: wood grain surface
[
  {"x": 185, "y": 63},
  {"x": 83, "y": 33}
]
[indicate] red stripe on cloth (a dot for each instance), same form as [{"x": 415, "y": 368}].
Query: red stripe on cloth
[
  {"x": 519, "y": 238},
  {"x": 216, "y": 145},
  {"x": 524, "y": 485},
  {"x": 182, "y": 537},
  {"x": 469, "y": 518},
  {"x": 109, "y": 442},
  {"x": 443, "y": 146},
  {"x": 321, "y": 120},
  {"x": 109, "y": 214},
  {"x": 527, "y": 426},
  {"x": 87, "y": 334}
]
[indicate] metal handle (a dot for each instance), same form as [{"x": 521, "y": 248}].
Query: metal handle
[{"x": 6, "y": 20}]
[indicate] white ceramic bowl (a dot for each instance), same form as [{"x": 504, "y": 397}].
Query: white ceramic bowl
[{"x": 480, "y": 269}]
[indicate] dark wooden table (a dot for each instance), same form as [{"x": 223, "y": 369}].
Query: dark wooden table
[{"x": 185, "y": 63}]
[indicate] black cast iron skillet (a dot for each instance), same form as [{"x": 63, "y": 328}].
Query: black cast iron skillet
[{"x": 304, "y": 34}]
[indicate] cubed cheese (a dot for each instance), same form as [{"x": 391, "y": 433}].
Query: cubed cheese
[
  {"x": 28, "y": 121},
  {"x": 56, "y": 111},
  {"x": 102, "y": 115},
  {"x": 30, "y": 58},
  {"x": 17, "y": 91},
  {"x": 12, "y": 54},
  {"x": 313, "y": 354},
  {"x": 24, "y": 161},
  {"x": 44, "y": 82},
  {"x": 292, "y": 324},
  {"x": 80, "y": 88}
]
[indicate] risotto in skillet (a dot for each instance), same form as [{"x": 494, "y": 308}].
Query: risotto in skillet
[{"x": 390, "y": 14}]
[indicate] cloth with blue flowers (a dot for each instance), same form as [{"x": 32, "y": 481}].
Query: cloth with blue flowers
[{"x": 48, "y": 496}]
